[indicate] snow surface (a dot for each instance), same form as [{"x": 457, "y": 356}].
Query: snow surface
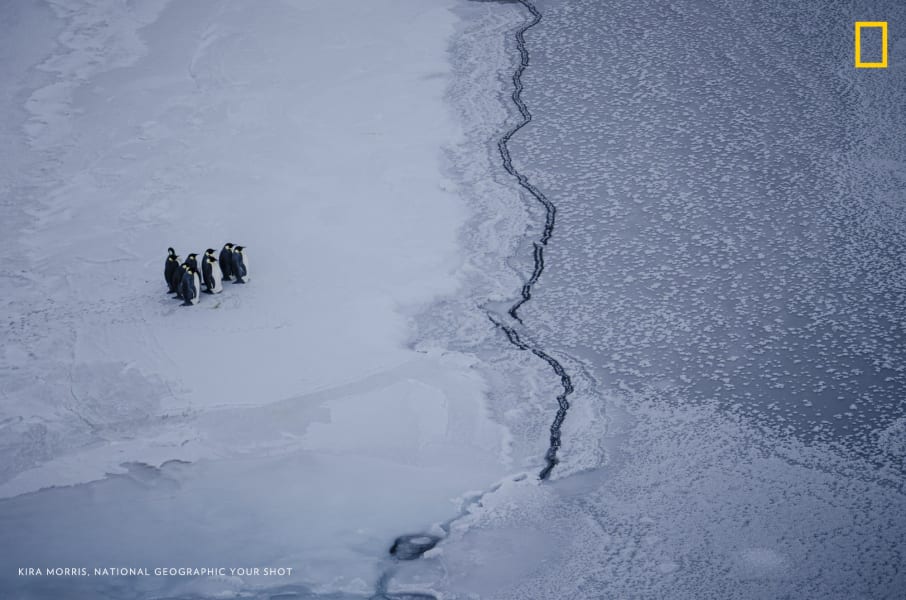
[{"x": 297, "y": 420}]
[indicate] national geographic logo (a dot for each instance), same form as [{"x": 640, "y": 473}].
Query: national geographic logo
[{"x": 882, "y": 25}]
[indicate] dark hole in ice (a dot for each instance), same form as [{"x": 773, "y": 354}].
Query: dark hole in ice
[{"x": 410, "y": 547}]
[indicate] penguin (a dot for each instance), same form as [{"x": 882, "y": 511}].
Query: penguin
[
  {"x": 192, "y": 261},
  {"x": 171, "y": 266},
  {"x": 206, "y": 271},
  {"x": 190, "y": 286},
  {"x": 240, "y": 265},
  {"x": 176, "y": 282},
  {"x": 226, "y": 262},
  {"x": 212, "y": 276}
]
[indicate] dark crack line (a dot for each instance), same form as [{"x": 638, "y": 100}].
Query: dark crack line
[
  {"x": 381, "y": 591},
  {"x": 502, "y": 146},
  {"x": 538, "y": 245},
  {"x": 562, "y": 399}
]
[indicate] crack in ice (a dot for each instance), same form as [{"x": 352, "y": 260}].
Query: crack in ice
[
  {"x": 538, "y": 245},
  {"x": 403, "y": 548}
]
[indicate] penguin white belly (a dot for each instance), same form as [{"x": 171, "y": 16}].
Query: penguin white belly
[
  {"x": 217, "y": 278},
  {"x": 194, "y": 299},
  {"x": 245, "y": 261}
]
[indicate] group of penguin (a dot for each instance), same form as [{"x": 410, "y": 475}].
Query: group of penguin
[{"x": 183, "y": 280}]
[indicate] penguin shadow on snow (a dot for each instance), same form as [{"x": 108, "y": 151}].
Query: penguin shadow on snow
[{"x": 185, "y": 280}]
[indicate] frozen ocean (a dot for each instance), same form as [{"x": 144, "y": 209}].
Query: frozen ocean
[{"x": 549, "y": 299}]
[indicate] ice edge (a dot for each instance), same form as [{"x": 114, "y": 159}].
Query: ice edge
[{"x": 538, "y": 255}]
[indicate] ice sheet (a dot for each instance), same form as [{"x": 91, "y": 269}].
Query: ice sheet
[{"x": 302, "y": 419}]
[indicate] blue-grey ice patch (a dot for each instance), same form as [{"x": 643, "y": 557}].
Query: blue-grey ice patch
[{"x": 727, "y": 266}]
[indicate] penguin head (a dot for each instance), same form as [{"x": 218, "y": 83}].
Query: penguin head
[
  {"x": 193, "y": 256},
  {"x": 228, "y": 246},
  {"x": 171, "y": 252},
  {"x": 238, "y": 248},
  {"x": 209, "y": 252},
  {"x": 211, "y": 260}
]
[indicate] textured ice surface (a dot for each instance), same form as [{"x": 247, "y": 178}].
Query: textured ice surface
[
  {"x": 730, "y": 195},
  {"x": 727, "y": 266}
]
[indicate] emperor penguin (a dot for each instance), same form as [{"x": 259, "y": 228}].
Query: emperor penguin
[
  {"x": 171, "y": 266},
  {"x": 192, "y": 261},
  {"x": 176, "y": 281},
  {"x": 240, "y": 264},
  {"x": 190, "y": 286},
  {"x": 212, "y": 275},
  {"x": 226, "y": 262}
]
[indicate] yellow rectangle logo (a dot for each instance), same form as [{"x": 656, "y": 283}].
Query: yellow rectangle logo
[{"x": 871, "y": 65}]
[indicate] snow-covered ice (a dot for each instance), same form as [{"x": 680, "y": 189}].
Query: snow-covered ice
[{"x": 299, "y": 420}]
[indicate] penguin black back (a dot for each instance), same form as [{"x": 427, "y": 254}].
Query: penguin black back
[
  {"x": 206, "y": 275},
  {"x": 226, "y": 261},
  {"x": 176, "y": 280},
  {"x": 240, "y": 265},
  {"x": 189, "y": 286},
  {"x": 171, "y": 266}
]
